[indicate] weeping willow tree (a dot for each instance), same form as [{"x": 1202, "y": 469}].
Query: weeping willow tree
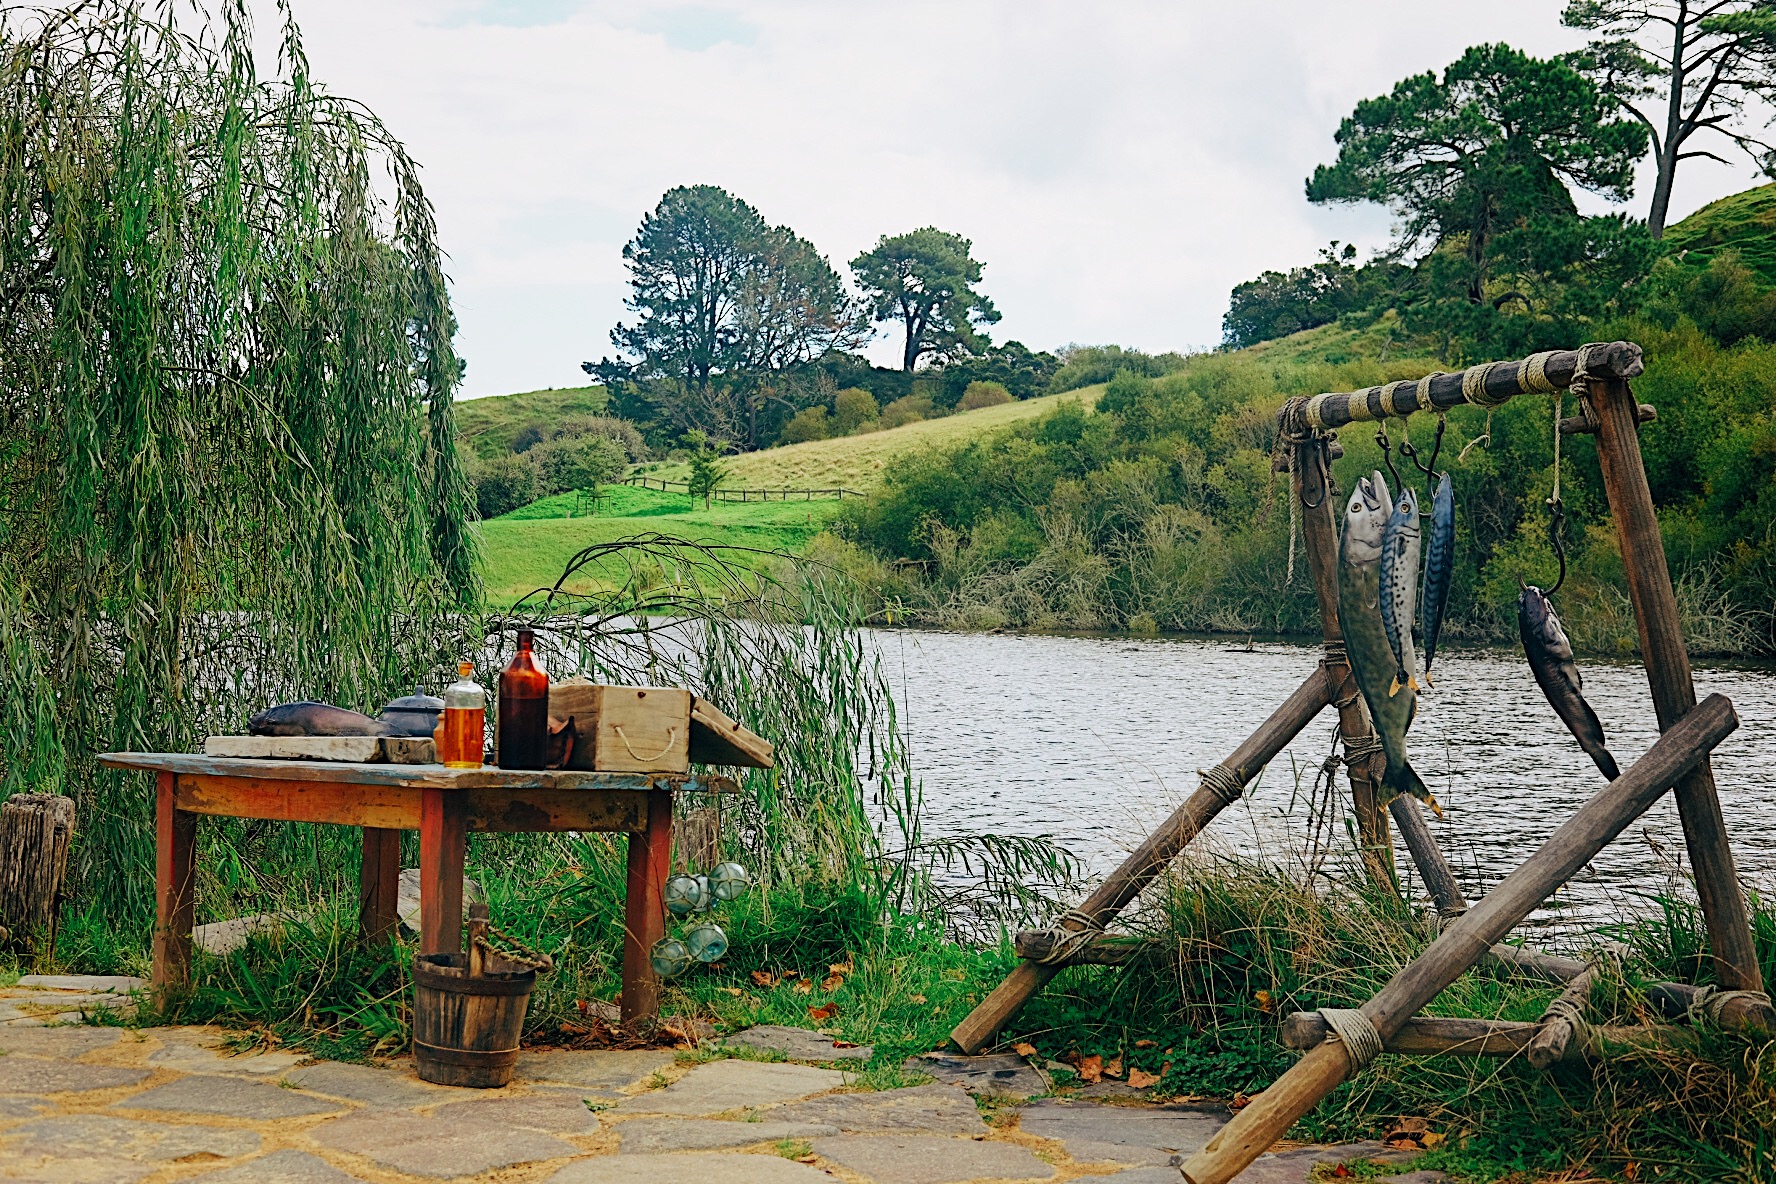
[{"x": 227, "y": 471}]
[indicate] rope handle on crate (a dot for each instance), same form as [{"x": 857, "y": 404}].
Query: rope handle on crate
[{"x": 671, "y": 739}]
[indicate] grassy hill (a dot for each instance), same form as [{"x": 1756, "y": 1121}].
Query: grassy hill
[
  {"x": 1745, "y": 222},
  {"x": 486, "y": 426}
]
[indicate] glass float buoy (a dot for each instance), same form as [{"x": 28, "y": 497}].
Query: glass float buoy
[
  {"x": 670, "y": 957},
  {"x": 707, "y": 942},
  {"x": 705, "y": 897},
  {"x": 729, "y": 881},
  {"x": 686, "y": 894}
]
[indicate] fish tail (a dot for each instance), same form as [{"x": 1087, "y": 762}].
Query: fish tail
[
  {"x": 1606, "y": 764},
  {"x": 1405, "y": 779}
]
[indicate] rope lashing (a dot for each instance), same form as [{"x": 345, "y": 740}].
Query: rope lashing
[
  {"x": 1223, "y": 782},
  {"x": 1572, "y": 1013},
  {"x": 1362, "y": 1042},
  {"x": 1336, "y": 654},
  {"x": 1532, "y": 374},
  {"x": 1711, "y": 1001},
  {"x": 1069, "y": 942},
  {"x": 1363, "y": 746}
]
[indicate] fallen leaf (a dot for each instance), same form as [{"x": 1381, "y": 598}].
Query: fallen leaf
[
  {"x": 1146, "y": 1044},
  {"x": 1433, "y": 1139},
  {"x": 845, "y": 967},
  {"x": 1024, "y": 1050},
  {"x": 832, "y": 983},
  {"x": 1340, "y": 1172},
  {"x": 919, "y": 999},
  {"x": 736, "y": 992},
  {"x": 1263, "y": 999},
  {"x": 805, "y": 1159},
  {"x": 845, "y": 1044},
  {"x": 1165, "y": 1068},
  {"x": 1240, "y": 1101},
  {"x": 763, "y": 978},
  {"x": 1114, "y": 1068},
  {"x": 1091, "y": 1069},
  {"x": 804, "y": 987},
  {"x": 1141, "y": 1079},
  {"x": 823, "y": 1014},
  {"x": 675, "y": 1033}
]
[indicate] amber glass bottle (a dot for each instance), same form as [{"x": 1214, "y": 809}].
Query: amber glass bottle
[
  {"x": 522, "y": 738},
  {"x": 459, "y": 734}
]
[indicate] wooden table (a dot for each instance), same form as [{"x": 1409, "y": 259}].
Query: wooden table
[{"x": 442, "y": 805}]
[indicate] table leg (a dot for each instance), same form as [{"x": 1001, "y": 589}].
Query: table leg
[
  {"x": 644, "y": 910},
  {"x": 175, "y": 835},
  {"x": 441, "y": 849},
  {"x": 378, "y": 881}
]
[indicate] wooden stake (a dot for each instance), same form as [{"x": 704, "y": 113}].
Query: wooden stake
[
  {"x": 1667, "y": 662},
  {"x": 35, "y": 829},
  {"x": 1158, "y": 850},
  {"x": 1468, "y": 939},
  {"x": 1312, "y": 486},
  {"x": 1433, "y": 868},
  {"x": 1555, "y": 1030}
]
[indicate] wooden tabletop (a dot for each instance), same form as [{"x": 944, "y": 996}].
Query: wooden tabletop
[{"x": 407, "y": 776}]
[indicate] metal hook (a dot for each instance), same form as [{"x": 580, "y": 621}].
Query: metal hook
[
  {"x": 1556, "y": 521},
  {"x": 1387, "y": 453}
]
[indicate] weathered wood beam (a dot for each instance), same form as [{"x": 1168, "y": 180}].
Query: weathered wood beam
[
  {"x": 1487, "y": 384},
  {"x": 1154, "y": 854},
  {"x": 1112, "y": 949},
  {"x": 1585, "y": 424},
  {"x": 1592, "y": 827},
  {"x": 1561, "y": 1020},
  {"x": 1421, "y": 1036}
]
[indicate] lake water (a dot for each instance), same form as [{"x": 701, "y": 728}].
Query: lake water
[{"x": 1094, "y": 740}]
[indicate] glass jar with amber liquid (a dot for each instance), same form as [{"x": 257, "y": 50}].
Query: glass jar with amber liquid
[
  {"x": 462, "y": 729},
  {"x": 522, "y": 738}
]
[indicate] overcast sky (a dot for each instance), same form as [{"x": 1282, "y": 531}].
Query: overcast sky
[{"x": 1120, "y": 165}]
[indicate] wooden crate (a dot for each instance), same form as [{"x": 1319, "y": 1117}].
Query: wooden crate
[{"x": 650, "y": 730}]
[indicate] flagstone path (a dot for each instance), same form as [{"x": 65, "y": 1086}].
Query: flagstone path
[{"x": 105, "y": 1105}]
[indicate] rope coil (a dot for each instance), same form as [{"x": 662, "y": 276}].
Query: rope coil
[
  {"x": 1532, "y": 374},
  {"x": 1069, "y": 942},
  {"x": 1362, "y": 1042},
  {"x": 1710, "y": 1001},
  {"x": 1223, "y": 782}
]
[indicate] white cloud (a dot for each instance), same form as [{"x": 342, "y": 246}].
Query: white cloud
[{"x": 1119, "y": 166}]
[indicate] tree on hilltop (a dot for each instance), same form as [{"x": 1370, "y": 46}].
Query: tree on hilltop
[
  {"x": 1488, "y": 148},
  {"x": 1681, "y": 68},
  {"x": 925, "y": 280}
]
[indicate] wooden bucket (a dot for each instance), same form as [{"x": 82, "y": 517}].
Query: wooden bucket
[{"x": 466, "y": 1026}]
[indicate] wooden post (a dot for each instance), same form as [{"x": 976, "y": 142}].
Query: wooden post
[
  {"x": 378, "y": 882},
  {"x": 35, "y": 829},
  {"x": 1489, "y": 1038},
  {"x": 1667, "y": 664},
  {"x": 1158, "y": 850},
  {"x": 1312, "y": 487},
  {"x": 442, "y": 847},
  {"x": 175, "y": 839},
  {"x": 644, "y": 908},
  {"x": 1592, "y": 827},
  {"x": 1433, "y": 868},
  {"x": 1558, "y": 1025}
]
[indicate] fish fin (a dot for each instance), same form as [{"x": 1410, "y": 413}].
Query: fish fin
[
  {"x": 1428, "y": 681},
  {"x": 1412, "y": 681},
  {"x": 1394, "y": 687}
]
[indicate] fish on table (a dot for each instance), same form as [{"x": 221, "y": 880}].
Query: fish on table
[
  {"x": 1399, "y": 587},
  {"x": 309, "y": 718},
  {"x": 1439, "y": 567},
  {"x": 1371, "y": 657},
  {"x": 1550, "y": 657}
]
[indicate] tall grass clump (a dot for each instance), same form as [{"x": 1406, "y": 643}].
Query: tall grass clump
[{"x": 227, "y": 469}]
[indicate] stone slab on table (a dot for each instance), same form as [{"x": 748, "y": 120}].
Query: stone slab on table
[
  {"x": 228, "y": 1097},
  {"x": 553, "y": 1113},
  {"x": 934, "y": 1109},
  {"x": 1004, "y": 1075},
  {"x": 642, "y": 1136},
  {"x": 38, "y": 1075},
  {"x": 101, "y": 1135},
  {"x": 734, "y": 1085},
  {"x": 798, "y": 1044},
  {"x": 434, "y": 1147},
  {"x": 288, "y": 1166},
  {"x": 362, "y": 1083},
  {"x": 718, "y": 1167},
  {"x": 921, "y": 1159},
  {"x": 607, "y": 1070},
  {"x": 1095, "y": 1133}
]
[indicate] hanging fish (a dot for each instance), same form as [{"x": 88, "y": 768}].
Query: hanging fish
[
  {"x": 1371, "y": 658},
  {"x": 1439, "y": 567},
  {"x": 1550, "y": 657},
  {"x": 1399, "y": 587}
]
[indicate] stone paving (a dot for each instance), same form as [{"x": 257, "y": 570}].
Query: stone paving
[{"x": 107, "y": 1105}]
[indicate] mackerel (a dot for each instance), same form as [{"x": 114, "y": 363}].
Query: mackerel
[
  {"x": 1371, "y": 658},
  {"x": 1439, "y": 567},
  {"x": 1399, "y": 587},
  {"x": 1550, "y": 657}
]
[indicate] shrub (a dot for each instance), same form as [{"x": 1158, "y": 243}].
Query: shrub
[
  {"x": 853, "y": 409},
  {"x": 576, "y": 462},
  {"x": 908, "y": 409},
  {"x": 503, "y": 484},
  {"x": 619, "y": 431},
  {"x": 529, "y": 436},
  {"x": 983, "y": 394},
  {"x": 810, "y": 423}
]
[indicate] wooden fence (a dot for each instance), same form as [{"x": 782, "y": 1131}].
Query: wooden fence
[{"x": 742, "y": 495}]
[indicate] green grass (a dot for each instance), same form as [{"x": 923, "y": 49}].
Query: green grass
[
  {"x": 485, "y": 426},
  {"x": 528, "y": 548},
  {"x": 856, "y": 462},
  {"x": 1745, "y": 222}
]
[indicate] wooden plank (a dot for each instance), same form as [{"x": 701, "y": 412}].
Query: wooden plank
[
  {"x": 1113, "y": 949},
  {"x": 378, "y": 879},
  {"x": 718, "y": 740},
  {"x": 1592, "y": 827},
  {"x": 413, "y": 776},
  {"x": 400, "y": 750},
  {"x": 392, "y": 808},
  {"x": 1154, "y": 854},
  {"x": 644, "y": 910},
  {"x": 1667, "y": 662},
  {"x": 1422, "y": 1036},
  {"x": 175, "y": 841},
  {"x": 442, "y": 846}
]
